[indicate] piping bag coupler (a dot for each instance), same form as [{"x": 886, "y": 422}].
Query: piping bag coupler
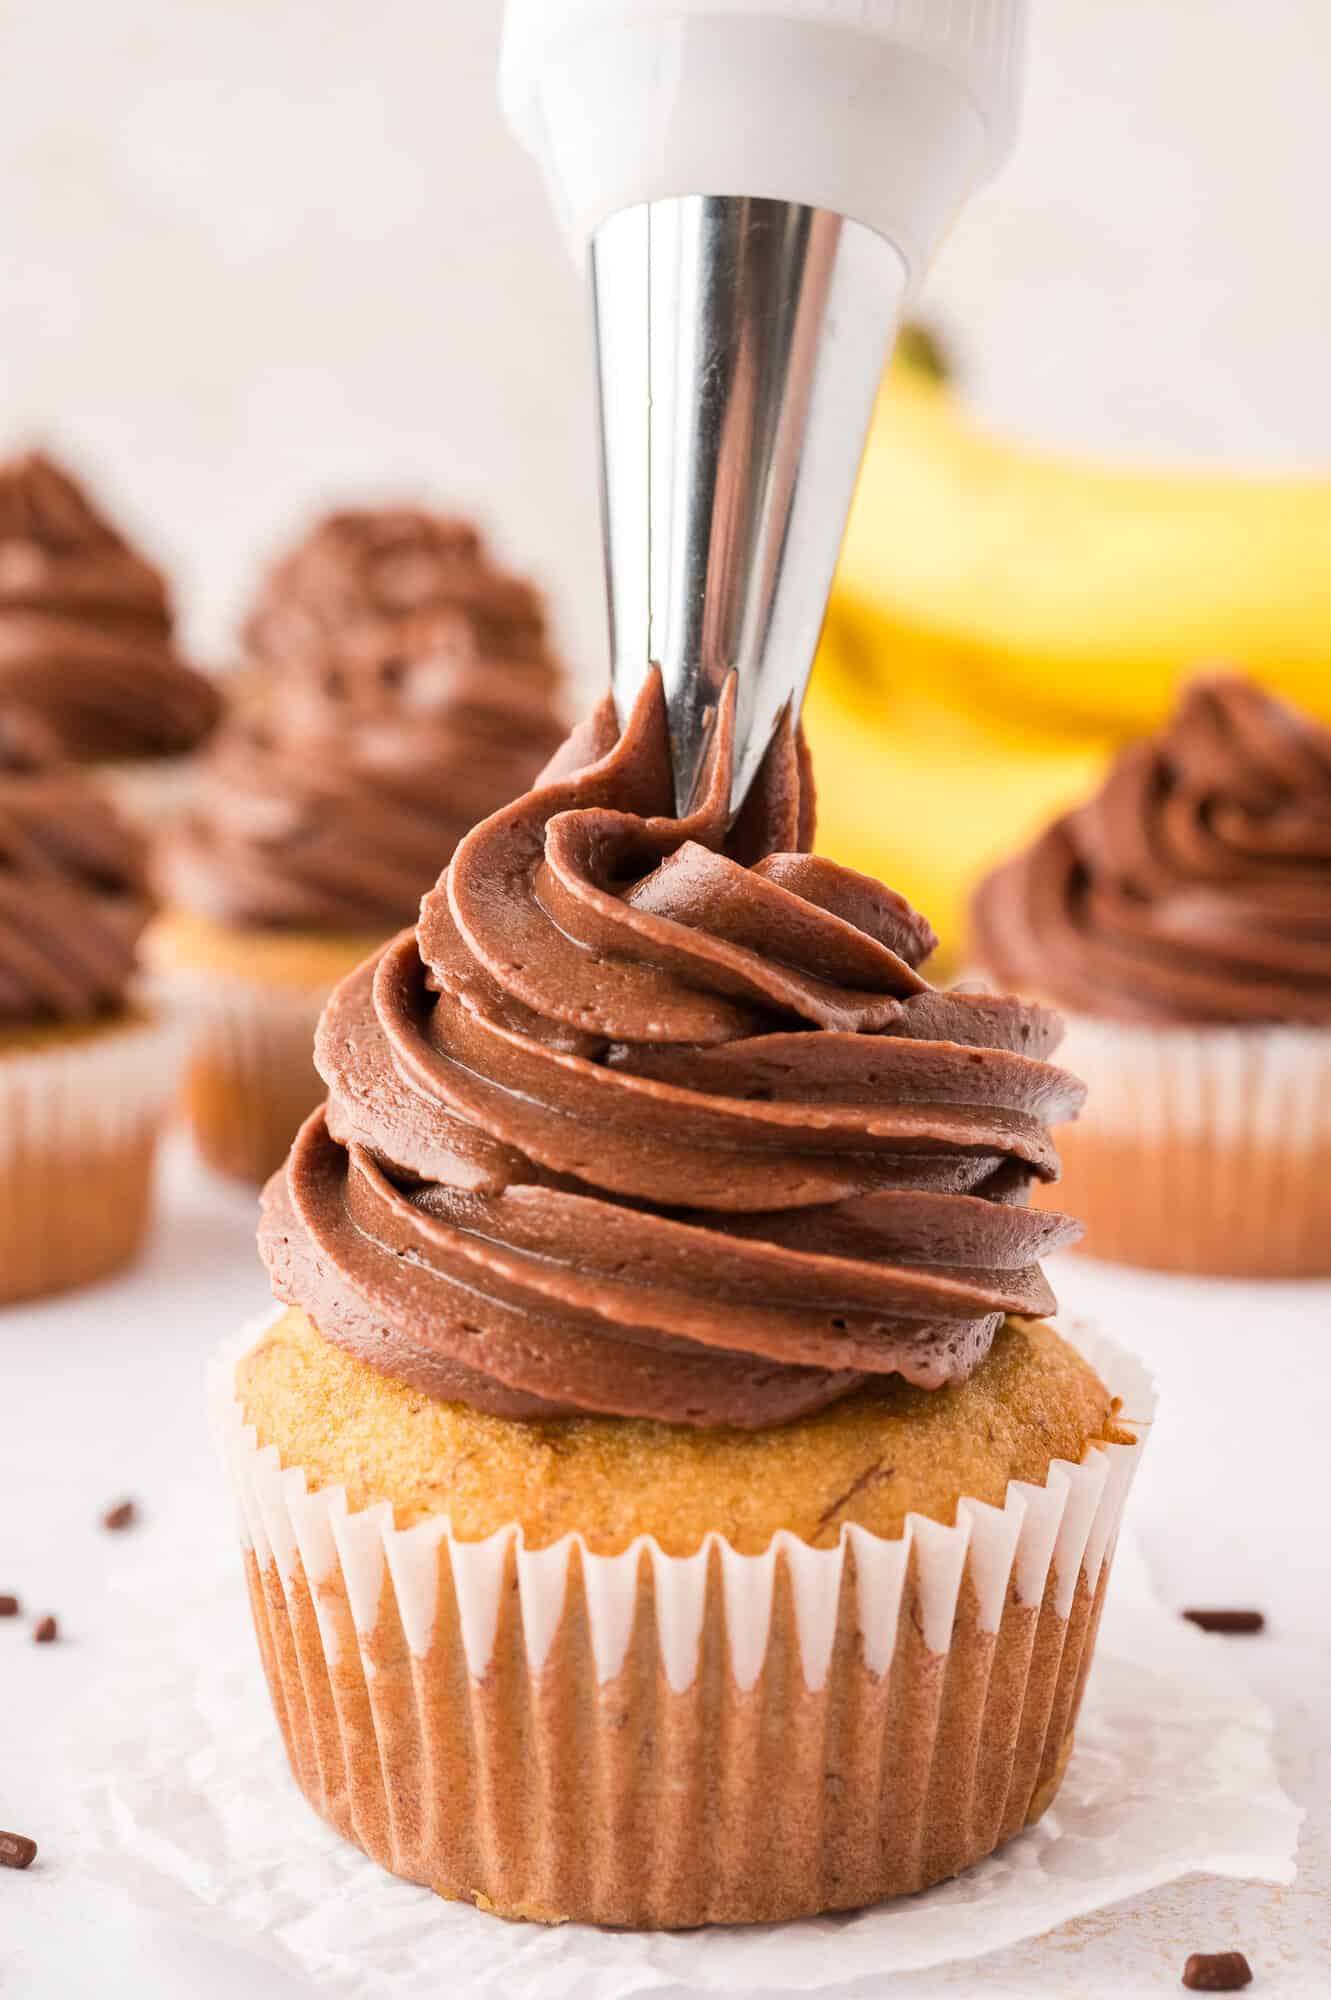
[{"x": 755, "y": 185}]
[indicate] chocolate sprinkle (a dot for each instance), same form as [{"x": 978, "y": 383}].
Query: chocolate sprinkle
[
  {"x": 17, "y": 1851},
  {"x": 123, "y": 1515},
  {"x": 1227, "y": 1621},
  {"x": 45, "y": 1630},
  {"x": 1217, "y": 1972},
  {"x": 9, "y": 1607}
]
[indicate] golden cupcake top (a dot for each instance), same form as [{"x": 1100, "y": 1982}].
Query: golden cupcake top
[{"x": 871, "y": 1459}]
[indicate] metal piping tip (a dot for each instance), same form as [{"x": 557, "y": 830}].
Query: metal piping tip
[{"x": 740, "y": 343}]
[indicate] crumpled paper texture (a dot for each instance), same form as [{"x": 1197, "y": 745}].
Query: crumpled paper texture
[{"x": 185, "y": 1801}]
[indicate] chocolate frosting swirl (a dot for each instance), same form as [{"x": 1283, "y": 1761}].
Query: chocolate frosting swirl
[
  {"x": 72, "y": 892},
  {"x": 660, "y": 1120},
  {"x": 361, "y": 567},
  {"x": 1195, "y": 887},
  {"x": 85, "y": 628},
  {"x": 335, "y": 811}
]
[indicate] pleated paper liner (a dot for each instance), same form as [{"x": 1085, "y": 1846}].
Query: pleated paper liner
[
  {"x": 80, "y": 1113},
  {"x": 661, "y": 1742},
  {"x": 250, "y": 1081},
  {"x": 1206, "y": 1150}
]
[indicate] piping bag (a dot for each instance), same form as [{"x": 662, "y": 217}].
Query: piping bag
[{"x": 755, "y": 187}]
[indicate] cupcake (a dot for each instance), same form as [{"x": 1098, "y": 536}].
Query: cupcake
[
  {"x": 665, "y": 1499},
  {"x": 86, "y": 646},
  {"x": 317, "y": 830},
  {"x": 1182, "y": 918},
  {"x": 86, "y": 1073}
]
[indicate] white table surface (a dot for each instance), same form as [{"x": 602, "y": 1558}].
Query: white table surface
[{"x": 101, "y": 1396}]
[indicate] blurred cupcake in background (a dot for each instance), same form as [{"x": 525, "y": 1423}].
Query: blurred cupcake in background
[
  {"x": 86, "y": 1071},
  {"x": 324, "y": 815},
  {"x": 1182, "y": 920},
  {"x": 86, "y": 643}
]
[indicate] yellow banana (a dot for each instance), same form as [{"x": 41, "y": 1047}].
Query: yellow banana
[{"x": 1003, "y": 617}]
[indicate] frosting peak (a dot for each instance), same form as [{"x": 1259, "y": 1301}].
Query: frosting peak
[
  {"x": 661, "y": 1119},
  {"x": 85, "y": 628},
  {"x": 1194, "y": 887}
]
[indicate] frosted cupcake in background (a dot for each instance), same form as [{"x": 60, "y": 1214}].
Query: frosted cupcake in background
[
  {"x": 87, "y": 1072},
  {"x": 87, "y": 650},
  {"x": 322, "y": 819},
  {"x": 665, "y": 1502},
  {"x": 1182, "y": 918}
]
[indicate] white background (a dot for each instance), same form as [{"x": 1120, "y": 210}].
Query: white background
[{"x": 257, "y": 253}]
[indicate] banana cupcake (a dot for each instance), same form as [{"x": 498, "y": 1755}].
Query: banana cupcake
[
  {"x": 665, "y": 1499},
  {"x": 317, "y": 830},
  {"x": 1182, "y": 917},
  {"x": 86, "y": 643},
  {"x": 86, "y": 1073}
]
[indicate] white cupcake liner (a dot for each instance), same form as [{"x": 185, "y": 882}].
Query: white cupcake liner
[
  {"x": 968, "y": 1644},
  {"x": 256, "y": 1044},
  {"x": 87, "y": 1107},
  {"x": 1202, "y": 1149},
  {"x": 92, "y": 1093},
  {"x": 243, "y": 1014}
]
